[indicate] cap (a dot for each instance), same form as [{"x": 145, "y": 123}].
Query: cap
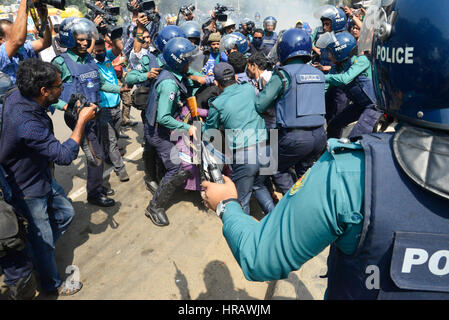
[
  {"x": 214, "y": 37},
  {"x": 224, "y": 71}
]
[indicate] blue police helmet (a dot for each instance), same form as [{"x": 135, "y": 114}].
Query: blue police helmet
[
  {"x": 410, "y": 64},
  {"x": 270, "y": 20},
  {"x": 336, "y": 15},
  {"x": 241, "y": 42},
  {"x": 70, "y": 27},
  {"x": 191, "y": 29},
  {"x": 178, "y": 52},
  {"x": 233, "y": 39},
  {"x": 294, "y": 43},
  {"x": 343, "y": 46},
  {"x": 166, "y": 34}
]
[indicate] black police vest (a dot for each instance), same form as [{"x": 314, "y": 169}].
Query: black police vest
[
  {"x": 302, "y": 104},
  {"x": 403, "y": 251},
  {"x": 85, "y": 79},
  {"x": 151, "y": 110}
]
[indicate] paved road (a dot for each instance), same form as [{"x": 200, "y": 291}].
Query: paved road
[
  {"x": 121, "y": 254},
  {"x": 118, "y": 253}
]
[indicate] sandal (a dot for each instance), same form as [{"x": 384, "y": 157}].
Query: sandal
[{"x": 69, "y": 288}]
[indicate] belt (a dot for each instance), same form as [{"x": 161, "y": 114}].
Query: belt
[{"x": 301, "y": 128}]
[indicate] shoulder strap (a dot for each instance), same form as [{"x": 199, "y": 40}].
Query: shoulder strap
[{"x": 283, "y": 79}]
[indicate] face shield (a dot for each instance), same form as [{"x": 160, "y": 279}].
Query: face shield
[
  {"x": 85, "y": 26},
  {"x": 327, "y": 11},
  {"x": 195, "y": 59},
  {"x": 377, "y": 23},
  {"x": 228, "y": 42},
  {"x": 325, "y": 39}
]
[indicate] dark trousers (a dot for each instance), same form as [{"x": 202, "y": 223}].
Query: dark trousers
[
  {"x": 155, "y": 168},
  {"x": 298, "y": 148},
  {"x": 336, "y": 102},
  {"x": 48, "y": 218},
  {"x": 245, "y": 174},
  {"x": 366, "y": 117},
  {"x": 16, "y": 265},
  {"x": 94, "y": 173},
  {"x": 159, "y": 138},
  {"x": 110, "y": 122}
]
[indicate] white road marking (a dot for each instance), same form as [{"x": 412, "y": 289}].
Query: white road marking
[{"x": 78, "y": 193}]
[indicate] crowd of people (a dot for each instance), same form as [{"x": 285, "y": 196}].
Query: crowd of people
[{"x": 280, "y": 101}]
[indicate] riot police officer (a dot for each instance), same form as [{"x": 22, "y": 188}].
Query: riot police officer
[
  {"x": 352, "y": 73},
  {"x": 165, "y": 93},
  {"x": 333, "y": 20},
  {"x": 80, "y": 75},
  {"x": 380, "y": 202},
  {"x": 192, "y": 31},
  {"x": 234, "y": 41},
  {"x": 298, "y": 89},
  {"x": 270, "y": 36}
]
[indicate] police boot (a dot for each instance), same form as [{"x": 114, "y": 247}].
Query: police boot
[
  {"x": 25, "y": 288},
  {"x": 155, "y": 210},
  {"x": 149, "y": 165}
]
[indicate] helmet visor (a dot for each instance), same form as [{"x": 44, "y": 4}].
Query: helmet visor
[
  {"x": 325, "y": 40},
  {"x": 195, "y": 59},
  {"x": 375, "y": 17},
  {"x": 326, "y": 11},
  {"x": 228, "y": 42},
  {"x": 84, "y": 26}
]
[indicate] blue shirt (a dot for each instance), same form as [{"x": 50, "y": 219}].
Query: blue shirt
[
  {"x": 108, "y": 99},
  {"x": 28, "y": 147},
  {"x": 10, "y": 65},
  {"x": 323, "y": 207}
]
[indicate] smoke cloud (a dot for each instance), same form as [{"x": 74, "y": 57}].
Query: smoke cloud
[{"x": 287, "y": 12}]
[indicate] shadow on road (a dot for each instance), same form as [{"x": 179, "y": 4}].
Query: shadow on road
[{"x": 218, "y": 281}]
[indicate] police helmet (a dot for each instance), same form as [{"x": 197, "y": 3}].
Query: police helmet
[
  {"x": 343, "y": 45},
  {"x": 410, "y": 38},
  {"x": 74, "y": 26},
  {"x": 294, "y": 43},
  {"x": 192, "y": 29},
  {"x": 231, "y": 40},
  {"x": 336, "y": 15},
  {"x": 269, "y": 21},
  {"x": 178, "y": 52},
  {"x": 166, "y": 34}
]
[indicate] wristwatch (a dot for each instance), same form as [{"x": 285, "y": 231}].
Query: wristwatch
[{"x": 222, "y": 206}]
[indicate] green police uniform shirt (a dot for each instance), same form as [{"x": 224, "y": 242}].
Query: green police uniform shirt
[
  {"x": 323, "y": 207},
  {"x": 360, "y": 65},
  {"x": 168, "y": 97},
  {"x": 233, "y": 109},
  {"x": 66, "y": 76},
  {"x": 139, "y": 74},
  {"x": 274, "y": 89}
]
